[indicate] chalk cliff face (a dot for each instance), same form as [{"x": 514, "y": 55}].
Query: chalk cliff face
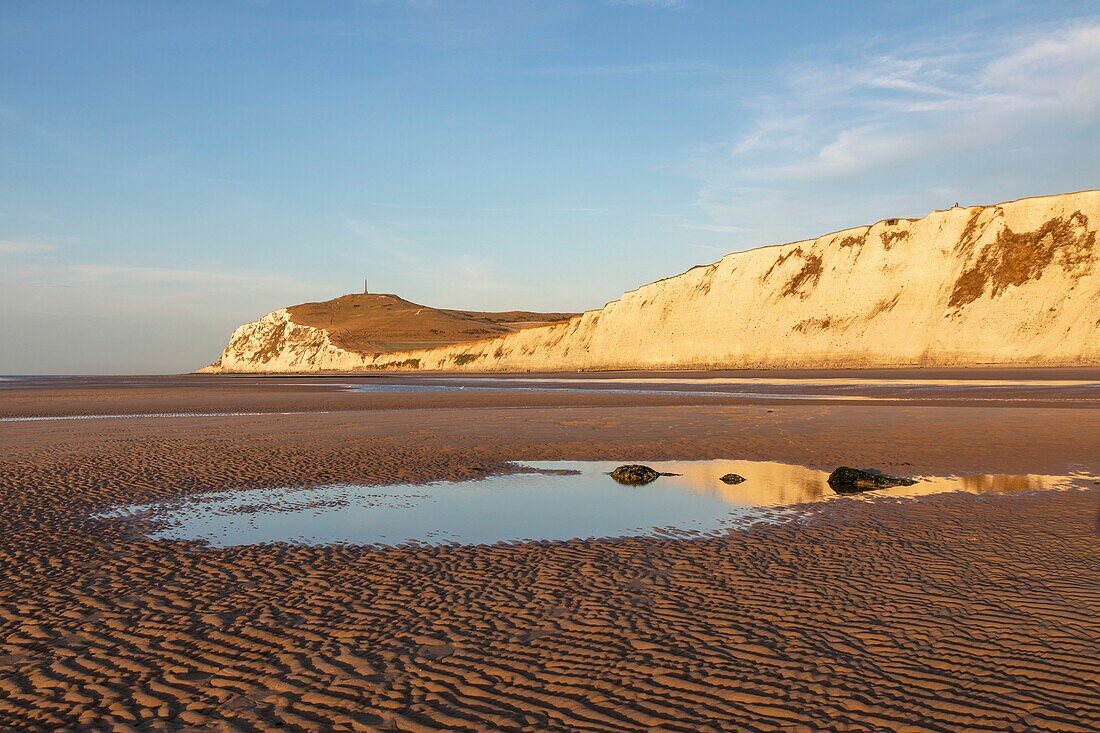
[{"x": 1015, "y": 283}]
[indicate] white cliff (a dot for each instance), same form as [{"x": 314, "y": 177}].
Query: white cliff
[{"x": 1014, "y": 283}]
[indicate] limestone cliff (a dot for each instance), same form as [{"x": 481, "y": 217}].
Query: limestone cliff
[{"x": 1013, "y": 283}]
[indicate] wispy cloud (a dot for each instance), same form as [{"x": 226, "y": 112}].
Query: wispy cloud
[
  {"x": 642, "y": 68},
  {"x": 1060, "y": 70},
  {"x": 707, "y": 247},
  {"x": 17, "y": 119},
  {"x": 384, "y": 239},
  {"x": 720, "y": 228},
  {"x": 775, "y": 132},
  {"x": 24, "y": 247},
  {"x": 896, "y": 109},
  {"x": 483, "y": 209},
  {"x": 115, "y": 279},
  {"x": 420, "y": 270},
  {"x": 902, "y": 107},
  {"x": 108, "y": 317},
  {"x": 99, "y": 272},
  {"x": 650, "y": 3}
]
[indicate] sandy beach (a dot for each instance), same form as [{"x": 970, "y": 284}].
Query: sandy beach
[
  {"x": 626, "y": 365},
  {"x": 944, "y": 613}
]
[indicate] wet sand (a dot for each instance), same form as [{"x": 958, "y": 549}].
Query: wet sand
[{"x": 950, "y": 612}]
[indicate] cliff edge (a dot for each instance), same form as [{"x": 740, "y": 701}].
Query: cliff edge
[{"x": 1015, "y": 283}]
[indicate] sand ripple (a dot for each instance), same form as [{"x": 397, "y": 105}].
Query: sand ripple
[{"x": 957, "y": 612}]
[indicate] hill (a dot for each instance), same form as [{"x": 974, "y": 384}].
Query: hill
[
  {"x": 300, "y": 336},
  {"x": 378, "y": 324},
  {"x": 1012, "y": 283}
]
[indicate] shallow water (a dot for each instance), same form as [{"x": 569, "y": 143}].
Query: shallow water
[
  {"x": 552, "y": 386},
  {"x": 785, "y": 381},
  {"x": 150, "y": 415},
  {"x": 832, "y": 390},
  {"x": 556, "y": 500}
]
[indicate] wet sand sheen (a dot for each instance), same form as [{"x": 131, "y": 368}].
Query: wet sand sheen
[{"x": 952, "y": 612}]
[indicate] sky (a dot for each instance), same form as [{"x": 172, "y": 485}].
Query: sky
[{"x": 170, "y": 170}]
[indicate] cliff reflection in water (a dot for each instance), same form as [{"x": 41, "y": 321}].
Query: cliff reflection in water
[{"x": 551, "y": 500}]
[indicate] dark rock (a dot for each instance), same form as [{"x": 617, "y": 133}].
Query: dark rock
[
  {"x": 847, "y": 480},
  {"x": 635, "y": 475},
  {"x": 732, "y": 478}
]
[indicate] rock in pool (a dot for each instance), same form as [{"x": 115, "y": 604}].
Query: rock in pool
[
  {"x": 847, "y": 480},
  {"x": 732, "y": 478},
  {"x": 635, "y": 475}
]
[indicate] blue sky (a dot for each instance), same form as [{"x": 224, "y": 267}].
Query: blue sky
[{"x": 169, "y": 170}]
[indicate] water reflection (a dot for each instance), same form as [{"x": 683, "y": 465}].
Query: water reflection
[
  {"x": 550, "y": 386},
  {"x": 770, "y": 388},
  {"x": 553, "y": 500}
]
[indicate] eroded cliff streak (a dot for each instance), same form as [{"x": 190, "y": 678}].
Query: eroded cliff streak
[{"x": 1014, "y": 283}]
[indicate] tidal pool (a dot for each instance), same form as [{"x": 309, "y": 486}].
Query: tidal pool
[{"x": 551, "y": 500}]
